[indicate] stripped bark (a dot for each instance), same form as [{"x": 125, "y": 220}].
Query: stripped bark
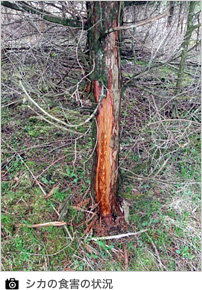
[{"x": 104, "y": 54}]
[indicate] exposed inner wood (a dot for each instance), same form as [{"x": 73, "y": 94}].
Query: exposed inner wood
[{"x": 106, "y": 176}]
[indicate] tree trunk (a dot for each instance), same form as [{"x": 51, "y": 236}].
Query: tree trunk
[
  {"x": 185, "y": 45},
  {"x": 105, "y": 62}
]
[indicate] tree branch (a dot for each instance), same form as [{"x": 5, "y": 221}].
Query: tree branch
[
  {"x": 118, "y": 236},
  {"x": 11, "y": 5},
  {"x": 138, "y": 24},
  {"x": 25, "y": 7},
  {"x": 56, "y": 224},
  {"x": 155, "y": 65},
  {"x": 132, "y": 3}
]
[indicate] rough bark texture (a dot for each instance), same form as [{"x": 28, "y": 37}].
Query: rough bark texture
[{"x": 104, "y": 57}]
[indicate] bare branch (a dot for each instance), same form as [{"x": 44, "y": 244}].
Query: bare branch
[
  {"x": 25, "y": 7},
  {"x": 58, "y": 120},
  {"x": 118, "y": 236},
  {"x": 175, "y": 120},
  {"x": 138, "y": 24},
  {"x": 56, "y": 224}
]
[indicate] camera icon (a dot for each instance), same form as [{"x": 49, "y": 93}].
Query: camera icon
[{"x": 12, "y": 284}]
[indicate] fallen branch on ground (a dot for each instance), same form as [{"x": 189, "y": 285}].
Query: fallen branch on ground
[
  {"x": 118, "y": 236},
  {"x": 56, "y": 224}
]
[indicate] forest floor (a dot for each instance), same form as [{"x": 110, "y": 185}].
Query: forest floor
[{"x": 46, "y": 178}]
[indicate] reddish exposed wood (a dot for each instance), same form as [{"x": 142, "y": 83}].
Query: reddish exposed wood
[{"x": 106, "y": 171}]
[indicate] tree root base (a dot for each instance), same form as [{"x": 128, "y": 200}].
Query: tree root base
[{"x": 105, "y": 226}]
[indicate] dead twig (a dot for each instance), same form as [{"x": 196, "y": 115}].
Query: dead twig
[
  {"x": 174, "y": 120},
  {"x": 126, "y": 258},
  {"x": 56, "y": 224},
  {"x": 12, "y": 104},
  {"x": 88, "y": 220},
  {"x": 81, "y": 209},
  {"x": 90, "y": 225},
  {"x": 118, "y": 236},
  {"x": 157, "y": 254}
]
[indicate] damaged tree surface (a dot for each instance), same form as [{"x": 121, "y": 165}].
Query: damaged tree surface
[{"x": 105, "y": 63}]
